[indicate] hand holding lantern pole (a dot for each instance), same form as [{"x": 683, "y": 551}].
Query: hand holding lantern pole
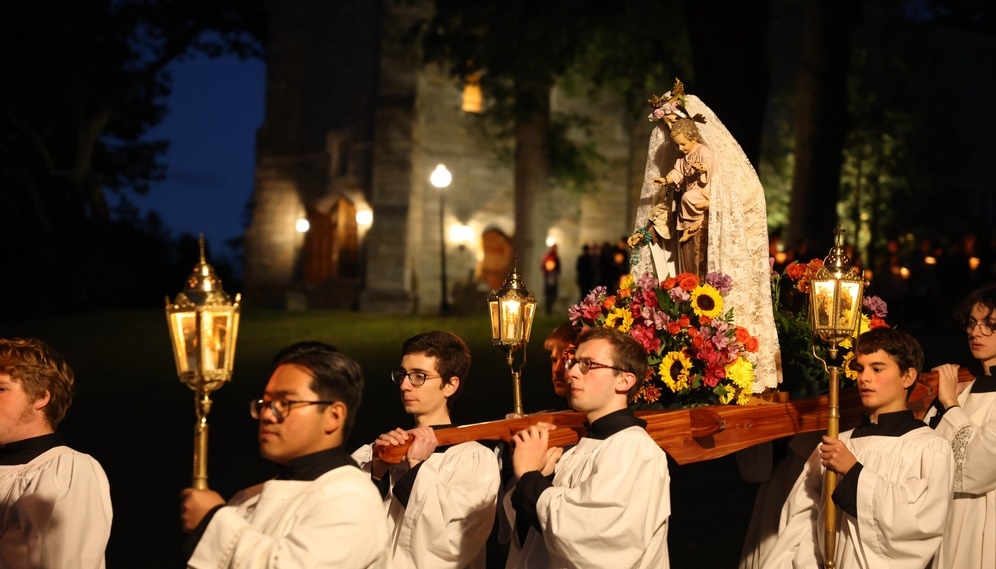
[
  {"x": 834, "y": 314},
  {"x": 203, "y": 324},
  {"x": 512, "y": 309}
]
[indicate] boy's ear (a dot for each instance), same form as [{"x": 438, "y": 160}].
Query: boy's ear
[
  {"x": 335, "y": 417},
  {"x": 450, "y": 387},
  {"x": 909, "y": 377}
]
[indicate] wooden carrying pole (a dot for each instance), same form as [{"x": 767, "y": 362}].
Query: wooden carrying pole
[{"x": 700, "y": 433}]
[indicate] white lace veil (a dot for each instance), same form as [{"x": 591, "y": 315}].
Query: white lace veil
[{"x": 738, "y": 233}]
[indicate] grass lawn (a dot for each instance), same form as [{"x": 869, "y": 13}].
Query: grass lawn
[{"x": 132, "y": 414}]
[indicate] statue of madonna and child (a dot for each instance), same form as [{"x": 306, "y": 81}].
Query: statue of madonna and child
[{"x": 701, "y": 211}]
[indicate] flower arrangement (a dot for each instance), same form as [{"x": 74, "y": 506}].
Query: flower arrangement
[
  {"x": 697, "y": 354},
  {"x": 789, "y": 295}
]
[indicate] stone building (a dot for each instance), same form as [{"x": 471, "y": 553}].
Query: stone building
[{"x": 354, "y": 124}]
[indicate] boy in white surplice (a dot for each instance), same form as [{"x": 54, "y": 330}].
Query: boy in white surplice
[
  {"x": 321, "y": 510},
  {"x": 55, "y": 503},
  {"x": 965, "y": 415},
  {"x": 895, "y": 475},
  {"x": 440, "y": 501},
  {"x": 606, "y": 501}
]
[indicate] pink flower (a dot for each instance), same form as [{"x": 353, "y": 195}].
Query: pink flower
[
  {"x": 719, "y": 281},
  {"x": 876, "y": 305},
  {"x": 646, "y": 336}
]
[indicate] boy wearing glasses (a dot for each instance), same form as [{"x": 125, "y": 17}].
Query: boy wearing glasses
[
  {"x": 440, "y": 501},
  {"x": 894, "y": 489},
  {"x": 321, "y": 510},
  {"x": 55, "y": 503},
  {"x": 605, "y": 502},
  {"x": 965, "y": 415}
]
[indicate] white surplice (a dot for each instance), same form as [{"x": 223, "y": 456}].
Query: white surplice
[
  {"x": 970, "y": 535},
  {"x": 608, "y": 507},
  {"x": 335, "y": 521},
  {"x": 903, "y": 495},
  {"x": 450, "y": 512},
  {"x": 55, "y": 512}
]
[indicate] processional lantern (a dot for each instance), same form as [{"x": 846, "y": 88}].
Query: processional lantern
[
  {"x": 203, "y": 326},
  {"x": 512, "y": 309},
  {"x": 835, "y": 294}
]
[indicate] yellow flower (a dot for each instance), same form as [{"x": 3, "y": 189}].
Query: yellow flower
[
  {"x": 846, "y": 364},
  {"x": 707, "y": 302},
  {"x": 674, "y": 371},
  {"x": 620, "y": 318},
  {"x": 727, "y": 396},
  {"x": 627, "y": 282},
  {"x": 744, "y": 396},
  {"x": 741, "y": 373}
]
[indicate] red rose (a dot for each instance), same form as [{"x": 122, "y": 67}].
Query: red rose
[
  {"x": 669, "y": 283},
  {"x": 609, "y": 302},
  {"x": 684, "y": 321},
  {"x": 673, "y": 328},
  {"x": 751, "y": 344}
]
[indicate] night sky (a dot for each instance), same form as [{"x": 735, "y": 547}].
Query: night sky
[{"x": 215, "y": 109}]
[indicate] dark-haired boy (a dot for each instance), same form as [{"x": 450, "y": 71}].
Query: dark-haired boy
[
  {"x": 965, "y": 415},
  {"x": 895, "y": 485},
  {"x": 321, "y": 511},
  {"x": 606, "y": 501},
  {"x": 440, "y": 501}
]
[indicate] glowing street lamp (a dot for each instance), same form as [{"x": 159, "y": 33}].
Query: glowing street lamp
[{"x": 203, "y": 326}]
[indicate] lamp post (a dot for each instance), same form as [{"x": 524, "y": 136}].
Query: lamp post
[
  {"x": 203, "y": 325},
  {"x": 512, "y": 309},
  {"x": 441, "y": 178},
  {"x": 834, "y": 315}
]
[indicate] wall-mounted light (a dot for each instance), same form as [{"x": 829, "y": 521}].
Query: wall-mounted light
[
  {"x": 461, "y": 234},
  {"x": 302, "y": 225},
  {"x": 364, "y": 218}
]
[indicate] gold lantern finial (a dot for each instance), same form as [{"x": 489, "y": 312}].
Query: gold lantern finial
[
  {"x": 512, "y": 309},
  {"x": 203, "y": 324}
]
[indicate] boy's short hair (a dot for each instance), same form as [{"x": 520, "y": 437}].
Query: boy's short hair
[
  {"x": 334, "y": 375},
  {"x": 451, "y": 353},
  {"x": 561, "y": 337},
  {"x": 627, "y": 353},
  {"x": 901, "y": 346},
  {"x": 39, "y": 368},
  {"x": 985, "y": 297}
]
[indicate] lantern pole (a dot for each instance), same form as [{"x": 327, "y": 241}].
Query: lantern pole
[
  {"x": 203, "y": 322},
  {"x": 834, "y": 313}
]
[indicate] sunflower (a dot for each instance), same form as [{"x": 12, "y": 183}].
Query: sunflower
[
  {"x": 620, "y": 318},
  {"x": 707, "y": 302},
  {"x": 674, "y": 371}
]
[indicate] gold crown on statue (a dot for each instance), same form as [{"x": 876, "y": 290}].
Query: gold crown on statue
[{"x": 672, "y": 103}]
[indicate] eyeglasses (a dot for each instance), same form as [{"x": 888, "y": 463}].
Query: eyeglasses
[
  {"x": 985, "y": 327},
  {"x": 280, "y": 408},
  {"x": 586, "y": 365},
  {"x": 416, "y": 377}
]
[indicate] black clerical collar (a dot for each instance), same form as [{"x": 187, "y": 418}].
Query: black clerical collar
[
  {"x": 608, "y": 425},
  {"x": 984, "y": 383},
  {"x": 311, "y": 466},
  {"x": 24, "y": 451},
  {"x": 894, "y": 424}
]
